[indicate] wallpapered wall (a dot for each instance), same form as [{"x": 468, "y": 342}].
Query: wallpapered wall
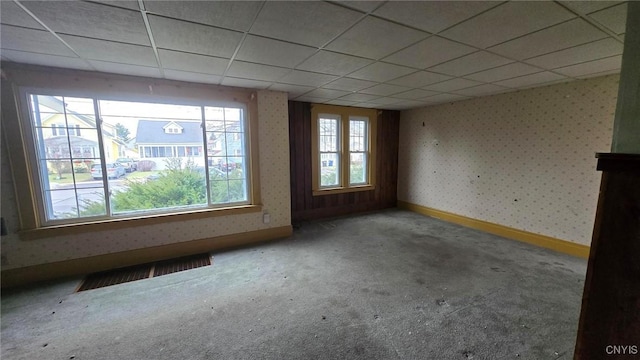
[
  {"x": 274, "y": 181},
  {"x": 525, "y": 159}
]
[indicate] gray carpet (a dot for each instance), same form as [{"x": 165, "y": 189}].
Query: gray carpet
[{"x": 388, "y": 285}]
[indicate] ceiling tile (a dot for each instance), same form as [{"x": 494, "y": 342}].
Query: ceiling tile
[
  {"x": 369, "y": 105},
  {"x": 440, "y": 98},
  {"x": 451, "y": 85},
  {"x": 311, "y": 99},
  {"x": 44, "y": 59},
  {"x": 292, "y": 90},
  {"x": 297, "y": 77},
  {"x": 235, "y": 15},
  {"x": 420, "y": 79},
  {"x": 381, "y": 72},
  {"x": 558, "y": 37},
  {"x": 482, "y": 90},
  {"x": 327, "y": 93},
  {"x": 375, "y": 38},
  {"x": 273, "y": 52},
  {"x": 407, "y": 104},
  {"x": 333, "y": 63},
  {"x": 127, "y": 4},
  {"x": 349, "y": 84},
  {"x": 111, "y": 51},
  {"x": 359, "y": 97},
  {"x": 88, "y": 19},
  {"x": 589, "y": 6},
  {"x": 31, "y": 40},
  {"x": 192, "y": 62},
  {"x": 12, "y": 14},
  {"x": 468, "y": 64},
  {"x": 340, "y": 102},
  {"x": 614, "y": 18},
  {"x": 508, "y": 21},
  {"x": 604, "y": 73},
  {"x": 531, "y": 80},
  {"x": 364, "y": 6},
  {"x": 116, "y": 68},
  {"x": 429, "y": 52},
  {"x": 241, "y": 69},
  {"x": 384, "y": 101},
  {"x": 195, "y": 38},
  {"x": 384, "y": 90},
  {"x": 591, "y": 51},
  {"x": 245, "y": 83},
  {"x": 592, "y": 67},
  {"x": 432, "y": 16},
  {"x": 504, "y": 72},
  {"x": 415, "y": 94},
  {"x": 311, "y": 23},
  {"x": 191, "y": 76}
]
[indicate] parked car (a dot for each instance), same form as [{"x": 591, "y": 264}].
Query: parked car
[
  {"x": 128, "y": 163},
  {"x": 114, "y": 171}
]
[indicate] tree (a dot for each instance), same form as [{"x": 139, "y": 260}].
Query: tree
[{"x": 122, "y": 133}]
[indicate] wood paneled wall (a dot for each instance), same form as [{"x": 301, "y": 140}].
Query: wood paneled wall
[{"x": 305, "y": 206}]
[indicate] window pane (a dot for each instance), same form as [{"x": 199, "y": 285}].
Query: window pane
[
  {"x": 237, "y": 190},
  {"x": 91, "y": 202},
  {"x": 237, "y": 167},
  {"x": 219, "y": 192},
  {"x": 329, "y": 169},
  {"x": 171, "y": 137},
  {"x": 72, "y": 165},
  {"x": 213, "y": 113},
  {"x": 216, "y": 143},
  {"x": 234, "y": 143},
  {"x": 358, "y": 135},
  {"x": 63, "y": 203},
  {"x": 65, "y": 154},
  {"x": 328, "y": 133},
  {"x": 358, "y": 169}
]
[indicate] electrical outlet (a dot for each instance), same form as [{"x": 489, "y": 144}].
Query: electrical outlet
[{"x": 266, "y": 218}]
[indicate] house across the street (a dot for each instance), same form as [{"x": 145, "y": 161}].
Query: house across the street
[{"x": 161, "y": 140}]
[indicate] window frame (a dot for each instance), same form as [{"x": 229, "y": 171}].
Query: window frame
[
  {"x": 26, "y": 79},
  {"x": 344, "y": 115}
]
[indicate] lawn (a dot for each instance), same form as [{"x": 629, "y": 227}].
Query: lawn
[
  {"x": 81, "y": 177},
  {"x": 68, "y": 178}
]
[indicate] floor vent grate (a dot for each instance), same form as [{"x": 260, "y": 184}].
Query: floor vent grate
[
  {"x": 181, "y": 264},
  {"x": 145, "y": 271}
]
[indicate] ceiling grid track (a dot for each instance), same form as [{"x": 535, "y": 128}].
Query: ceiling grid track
[{"x": 145, "y": 18}]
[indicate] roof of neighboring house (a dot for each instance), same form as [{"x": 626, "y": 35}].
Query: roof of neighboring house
[
  {"x": 57, "y": 105},
  {"x": 152, "y": 132}
]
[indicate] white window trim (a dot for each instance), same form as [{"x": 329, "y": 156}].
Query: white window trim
[
  {"x": 344, "y": 113},
  {"x": 22, "y": 79}
]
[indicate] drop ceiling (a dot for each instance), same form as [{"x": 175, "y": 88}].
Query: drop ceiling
[{"x": 378, "y": 54}]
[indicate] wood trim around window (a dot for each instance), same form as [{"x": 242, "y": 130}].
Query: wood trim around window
[
  {"x": 344, "y": 112},
  {"x": 18, "y": 76}
]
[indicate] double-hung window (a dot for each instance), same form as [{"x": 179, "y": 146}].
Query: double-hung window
[
  {"x": 201, "y": 162},
  {"x": 343, "y": 142}
]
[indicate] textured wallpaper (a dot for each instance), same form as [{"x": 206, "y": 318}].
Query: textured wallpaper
[
  {"x": 525, "y": 159},
  {"x": 274, "y": 181}
]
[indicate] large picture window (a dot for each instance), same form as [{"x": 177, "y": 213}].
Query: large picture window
[
  {"x": 100, "y": 158},
  {"x": 343, "y": 149}
]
